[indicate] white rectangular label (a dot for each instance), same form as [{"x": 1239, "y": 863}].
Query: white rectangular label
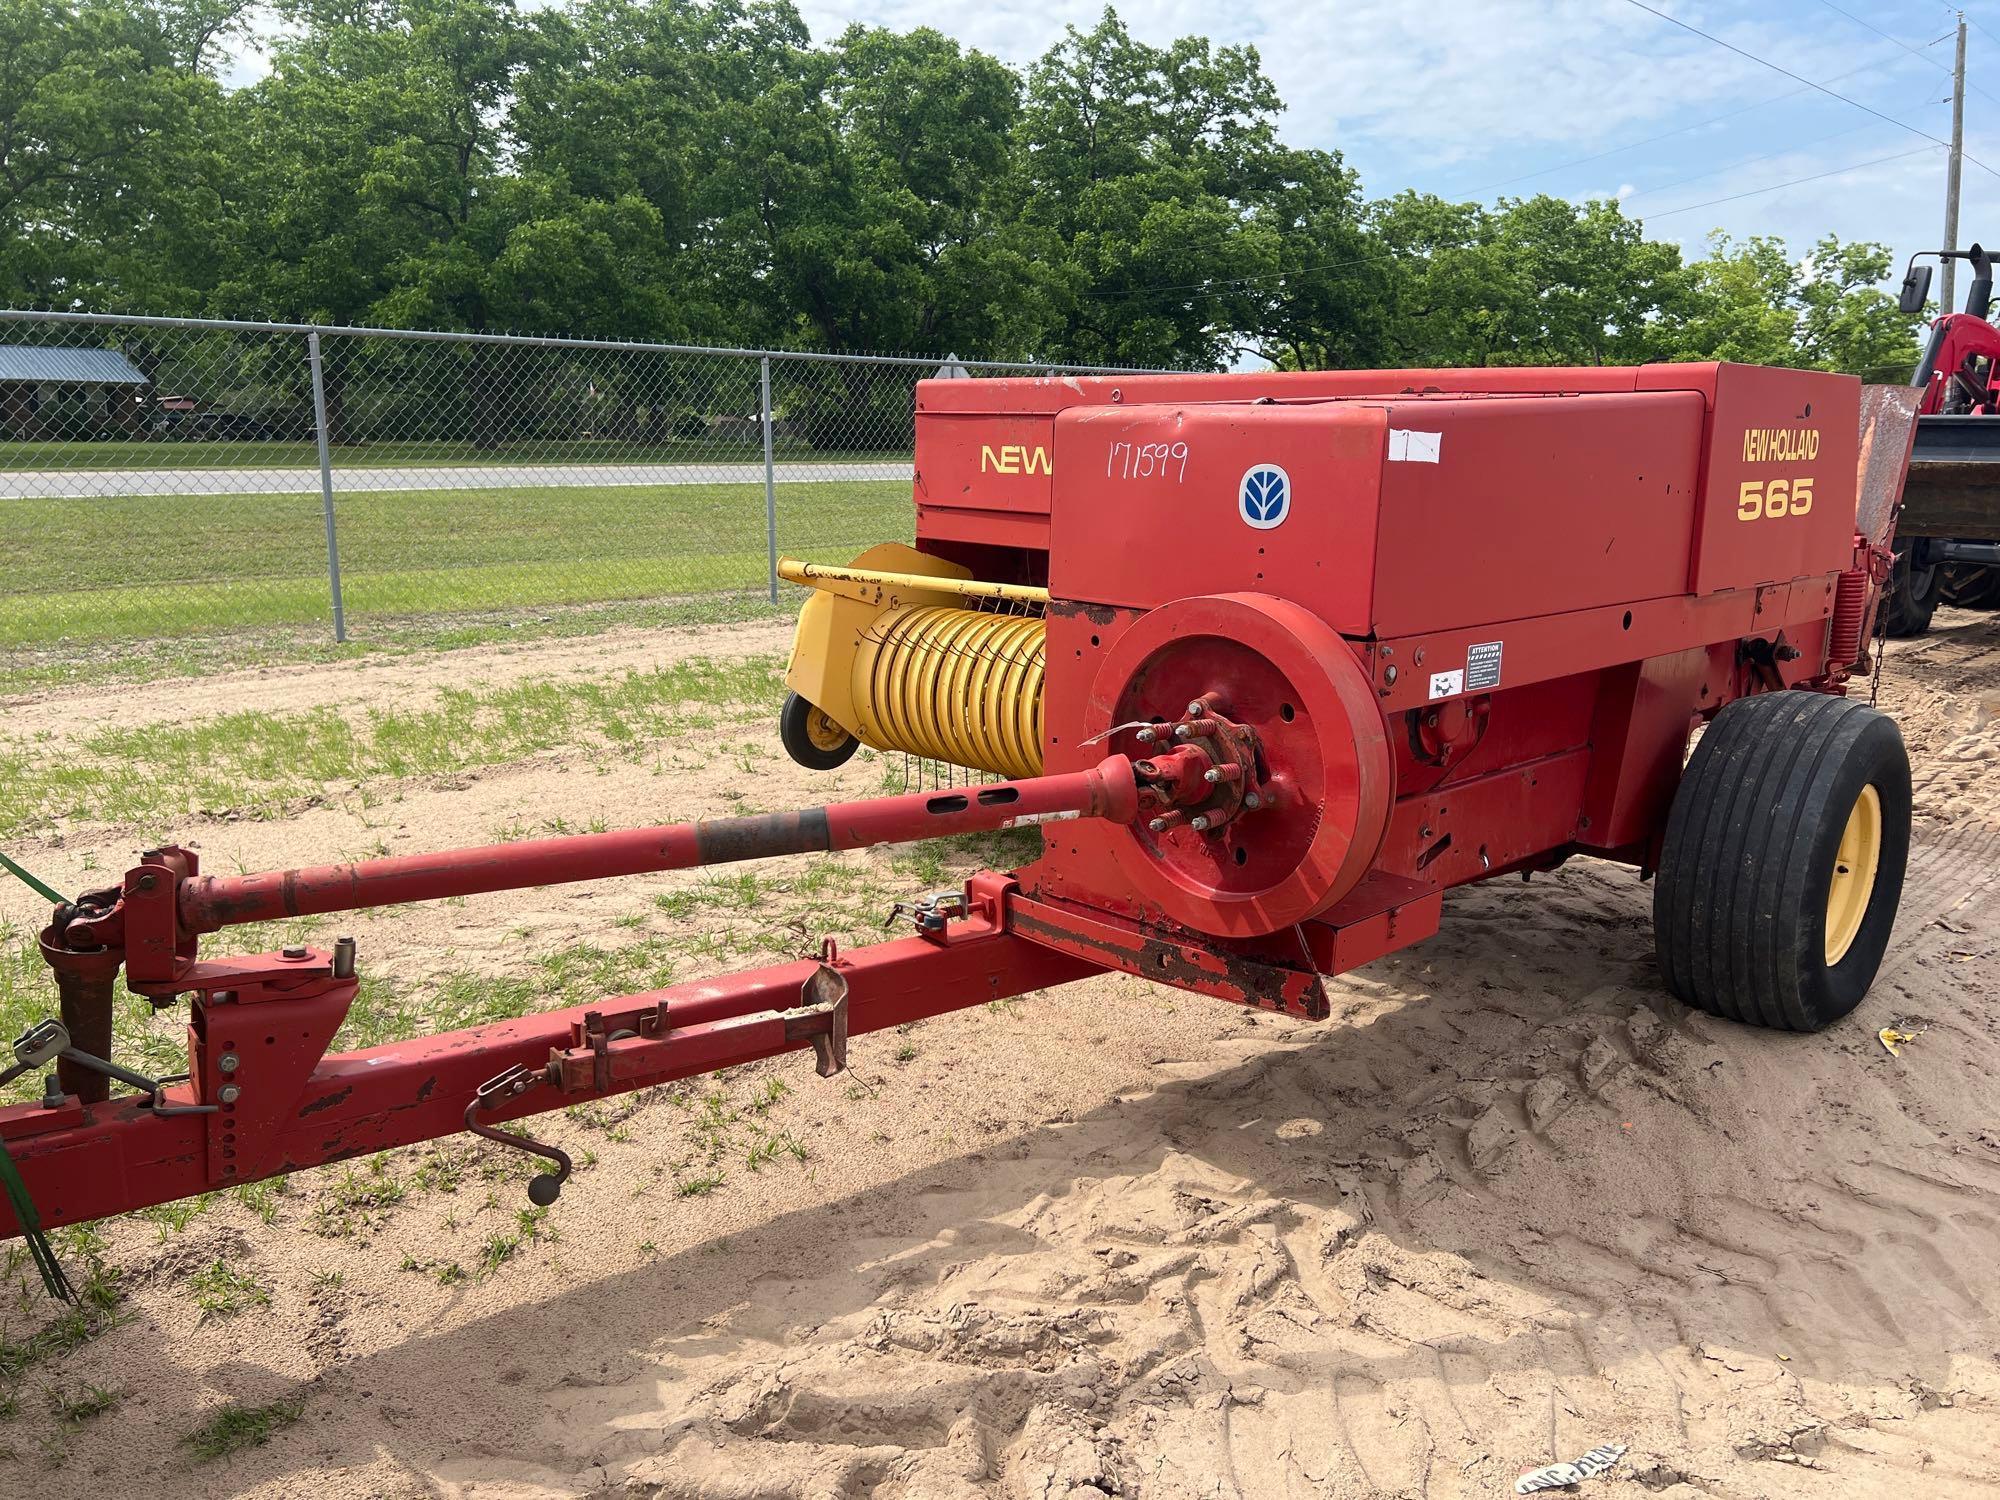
[
  {"x": 1407, "y": 447},
  {"x": 1446, "y": 684}
]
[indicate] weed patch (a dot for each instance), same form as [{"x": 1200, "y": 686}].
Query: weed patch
[{"x": 238, "y": 1426}]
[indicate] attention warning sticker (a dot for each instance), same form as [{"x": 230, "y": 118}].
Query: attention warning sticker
[{"x": 1482, "y": 666}]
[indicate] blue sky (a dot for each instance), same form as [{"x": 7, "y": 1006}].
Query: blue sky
[{"x": 1476, "y": 98}]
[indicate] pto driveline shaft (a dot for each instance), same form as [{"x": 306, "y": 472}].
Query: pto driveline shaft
[{"x": 209, "y": 903}]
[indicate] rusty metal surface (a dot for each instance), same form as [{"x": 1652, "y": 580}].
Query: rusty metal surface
[
  {"x": 85, "y": 984},
  {"x": 1888, "y": 431}
]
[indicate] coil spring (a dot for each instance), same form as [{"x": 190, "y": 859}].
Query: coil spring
[
  {"x": 962, "y": 686},
  {"x": 1850, "y": 601}
]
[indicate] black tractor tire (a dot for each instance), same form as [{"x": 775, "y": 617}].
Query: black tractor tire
[
  {"x": 1911, "y": 597},
  {"x": 1761, "y": 866},
  {"x": 811, "y": 738},
  {"x": 1969, "y": 586}
]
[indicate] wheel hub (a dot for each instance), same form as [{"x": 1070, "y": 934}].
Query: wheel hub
[
  {"x": 1854, "y": 867},
  {"x": 1264, "y": 756}
]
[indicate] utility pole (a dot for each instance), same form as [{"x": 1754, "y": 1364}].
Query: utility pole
[{"x": 1945, "y": 302}]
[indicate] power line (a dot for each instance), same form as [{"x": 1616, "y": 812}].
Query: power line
[
  {"x": 1799, "y": 78},
  {"x": 1989, "y": 37},
  {"x": 1216, "y": 284},
  {"x": 1818, "y": 140},
  {"x": 1871, "y": 26},
  {"x": 1916, "y": 52},
  {"x": 1666, "y": 135},
  {"x": 1689, "y": 208},
  {"x": 1744, "y": 162}
]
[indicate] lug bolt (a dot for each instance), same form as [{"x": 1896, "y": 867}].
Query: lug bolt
[
  {"x": 1158, "y": 825},
  {"x": 1215, "y": 774},
  {"x": 1196, "y": 708},
  {"x": 1146, "y": 736},
  {"x": 229, "y": 1093},
  {"x": 1199, "y": 823},
  {"x": 1252, "y": 801},
  {"x": 1182, "y": 731},
  {"x": 229, "y": 1062}
]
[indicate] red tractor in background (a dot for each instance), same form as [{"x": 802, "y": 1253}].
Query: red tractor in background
[{"x": 1948, "y": 534}]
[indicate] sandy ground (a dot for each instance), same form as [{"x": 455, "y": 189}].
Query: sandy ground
[{"x": 1509, "y": 1204}]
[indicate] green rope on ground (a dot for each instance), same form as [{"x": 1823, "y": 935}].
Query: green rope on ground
[
  {"x": 31, "y": 1229},
  {"x": 33, "y": 884},
  {"x": 25, "y": 1216}
]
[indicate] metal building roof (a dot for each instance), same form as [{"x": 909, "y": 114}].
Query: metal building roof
[{"x": 68, "y": 366}]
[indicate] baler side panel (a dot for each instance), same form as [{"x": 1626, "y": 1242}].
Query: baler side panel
[
  {"x": 1769, "y": 429},
  {"x": 984, "y": 476},
  {"x": 1048, "y": 395},
  {"x": 1147, "y": 505},
  {"x": 984, "y": 448},
  {"x": 1568, "y": 502}
]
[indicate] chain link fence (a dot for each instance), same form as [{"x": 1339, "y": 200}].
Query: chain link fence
[{"x": 166, "y": 479}]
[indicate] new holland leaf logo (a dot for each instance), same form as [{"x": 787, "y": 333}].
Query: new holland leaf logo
[{"x": 1264, "y": 497}]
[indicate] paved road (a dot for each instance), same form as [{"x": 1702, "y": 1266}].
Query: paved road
[{"x": 104, "y": 484}]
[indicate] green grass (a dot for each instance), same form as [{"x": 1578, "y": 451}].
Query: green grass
[
  {"x": 220, "y": 1289},
  {"x": 385, "y": 1011},
  {"x": 68, "y": 663},
  {"x": 241, "y": 1426},
  {"x": 153, "y": 1043},
  {"x": 258, "y": 764},
  {"x": 187, "y": 565},
  {"x": 73, "y": 1406},
  {"x": 242, "y": 454}
]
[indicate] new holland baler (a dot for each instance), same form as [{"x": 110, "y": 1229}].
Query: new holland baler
[{"x": 1273, "y": 662}]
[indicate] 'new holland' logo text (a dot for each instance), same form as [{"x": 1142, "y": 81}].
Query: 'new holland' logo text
[{"x": 1014, "y": 458}]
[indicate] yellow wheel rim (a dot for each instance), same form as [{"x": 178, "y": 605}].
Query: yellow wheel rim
[
  {"x": 824, "y": 731},
  {"x": 1854, "y": 869}
]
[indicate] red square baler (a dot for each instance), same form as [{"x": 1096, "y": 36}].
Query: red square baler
[{"x": 1272, "y": 661}]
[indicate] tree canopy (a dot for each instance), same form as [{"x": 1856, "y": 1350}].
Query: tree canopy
[{"x": 703, "y": 170}]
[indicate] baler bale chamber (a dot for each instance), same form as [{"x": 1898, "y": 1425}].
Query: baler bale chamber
[
  {"x": 1469, "y": 618},
  {"x": 1272, "y": 661}
]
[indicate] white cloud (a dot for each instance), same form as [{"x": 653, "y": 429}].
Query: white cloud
[{"x": 1482, "y": 96}]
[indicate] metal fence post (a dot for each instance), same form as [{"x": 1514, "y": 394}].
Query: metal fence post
[
  {"x": 326, "y": 488},
  {"x": 770, "y": 484}
]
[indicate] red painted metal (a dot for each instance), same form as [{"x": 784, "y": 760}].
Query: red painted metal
[
  {"x": 1325, "y": 769},
  {"x": 1967, "y": 346},
  {"x": 296, "y": 1108},
  {"x": 1269, "y": 973},
  {"x": 211, "y": 903},
  {"x": 1474, "y": 638}
]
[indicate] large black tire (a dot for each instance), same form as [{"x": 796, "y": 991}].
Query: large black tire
[
  {"x": 1745, "y": 895},
  {"x": 811, "y": 738},
  {"x": 1911, "y": 597},
  {"x": 1969, "y": 586}
]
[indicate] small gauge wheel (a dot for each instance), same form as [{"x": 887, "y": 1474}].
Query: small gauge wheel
[{"x": 812, "y": 736}]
